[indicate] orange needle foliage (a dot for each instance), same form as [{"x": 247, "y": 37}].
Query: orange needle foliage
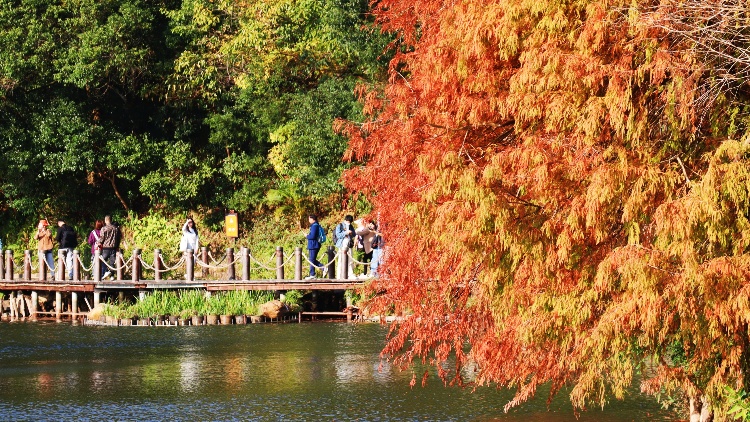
[{"x": 558, "y": 202}]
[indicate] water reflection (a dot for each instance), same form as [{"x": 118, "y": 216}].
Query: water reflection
[{"x": 255, "y": 372}]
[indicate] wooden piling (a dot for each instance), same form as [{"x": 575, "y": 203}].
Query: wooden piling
[
  {"x": 34, "y": 305},
  {"x": 2, "y": 265},
  {"x": 74, "y": 304},
  {"x": 58, "y": 304},
  {"x": 13, "y": 310}
]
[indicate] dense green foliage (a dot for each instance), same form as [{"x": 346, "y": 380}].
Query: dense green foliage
[{"x": 195, "y": 105}]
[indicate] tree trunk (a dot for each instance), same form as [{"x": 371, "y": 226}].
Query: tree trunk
[
  {"x": 700, "y": 410},
  {"x": 117, "y": 191}
]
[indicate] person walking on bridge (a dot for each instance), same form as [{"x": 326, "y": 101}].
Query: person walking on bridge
[
  {"x": 108, "y": 243},
  {"x": 68, "y": 240},
  {"x": 44, "y": 245},
  {"x": 313, "y": 244}
]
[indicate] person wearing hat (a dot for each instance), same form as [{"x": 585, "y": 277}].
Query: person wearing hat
[
  {"x": 68, "y": 240},
  {"x": 44, "y": 245}
]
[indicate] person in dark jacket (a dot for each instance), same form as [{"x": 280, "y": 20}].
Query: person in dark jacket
[
  {"x": 110, "y": 235},
  {"x": 68, "y": 240},
  {"x": 313, "y": 244}
]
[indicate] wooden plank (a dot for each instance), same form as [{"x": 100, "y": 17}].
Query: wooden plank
[{"x": 49, "y": 287}]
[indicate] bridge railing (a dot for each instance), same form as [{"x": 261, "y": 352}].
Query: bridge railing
[{"x": 339, "y": 262}]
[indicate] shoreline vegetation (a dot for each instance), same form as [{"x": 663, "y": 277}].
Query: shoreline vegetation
[{"x": 194, "y": 305}]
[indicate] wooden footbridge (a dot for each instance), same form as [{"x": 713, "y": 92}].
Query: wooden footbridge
[{"x": 26, "y": 280}]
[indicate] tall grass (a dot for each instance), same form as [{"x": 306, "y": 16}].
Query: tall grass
[{"x": 185, "y": 303}]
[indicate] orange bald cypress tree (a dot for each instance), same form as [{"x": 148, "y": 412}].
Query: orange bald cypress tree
[{"x": 561, "y": 200}]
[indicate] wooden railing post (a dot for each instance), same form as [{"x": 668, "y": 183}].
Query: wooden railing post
[
  {"x": 9, "y": 265},
  {"x": 204, "y": 258},
  {"x": 119, "y": 265},
  {"x": 61, "y": 270},
  {"x": 190, "y": 265},
  {"x": 157, "y": 265},
  {"x": 279, "y": 263},
  {"x": 331, "y": 252},
  {"x": 230, "y": 261},
  {"x": 27, "y": 264},
  {"x": 2, "y": 265},
  {"x": 245, "y": 261},
  {"x": 96, "y": 266},
  {"x": 136, "y": 265},
  {"x": 298, "y": 263},
  {"x": 76, "y": 266},
  {"x": 42, "y": 266},
  {"x": 343, "y": 271}
]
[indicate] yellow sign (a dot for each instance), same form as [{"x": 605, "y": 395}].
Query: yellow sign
[{"x": 231, "y": 225}]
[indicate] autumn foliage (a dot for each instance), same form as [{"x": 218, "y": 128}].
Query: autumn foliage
[{"x": 564, "y": 192}]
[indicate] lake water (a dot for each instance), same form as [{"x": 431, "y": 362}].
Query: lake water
[{"x": 256, "y": 372}]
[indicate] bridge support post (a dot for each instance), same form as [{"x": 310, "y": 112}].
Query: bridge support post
[
  {"x": 97, "y": 297},
  {"x": 27, "y": 264},
  {"x": 279, "y": 263},
  {"x": 58, "y": 305},
  {"x": 13, "y": 310},
  {"x": 331, "y": 252},
  {"x": 34, "y": 304},
  {"x": 74, "y": 305},
  {"x": 298, "y": 264}
]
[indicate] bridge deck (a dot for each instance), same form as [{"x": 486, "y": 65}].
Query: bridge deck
[{"x": 210, "y": 285}]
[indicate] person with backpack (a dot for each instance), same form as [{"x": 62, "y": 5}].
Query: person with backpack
[
  {"x": 315, "y": 240},
  {"x": 68, "y": 240},
  {"x": 344, "y": 239}
]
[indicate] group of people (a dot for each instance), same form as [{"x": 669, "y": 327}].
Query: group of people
[
  {"x": 105, "y": 238},
  {"x": 360, "y": 236}
]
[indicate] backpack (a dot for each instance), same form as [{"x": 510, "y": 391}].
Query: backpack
[{"x": 321, "y": 235}]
